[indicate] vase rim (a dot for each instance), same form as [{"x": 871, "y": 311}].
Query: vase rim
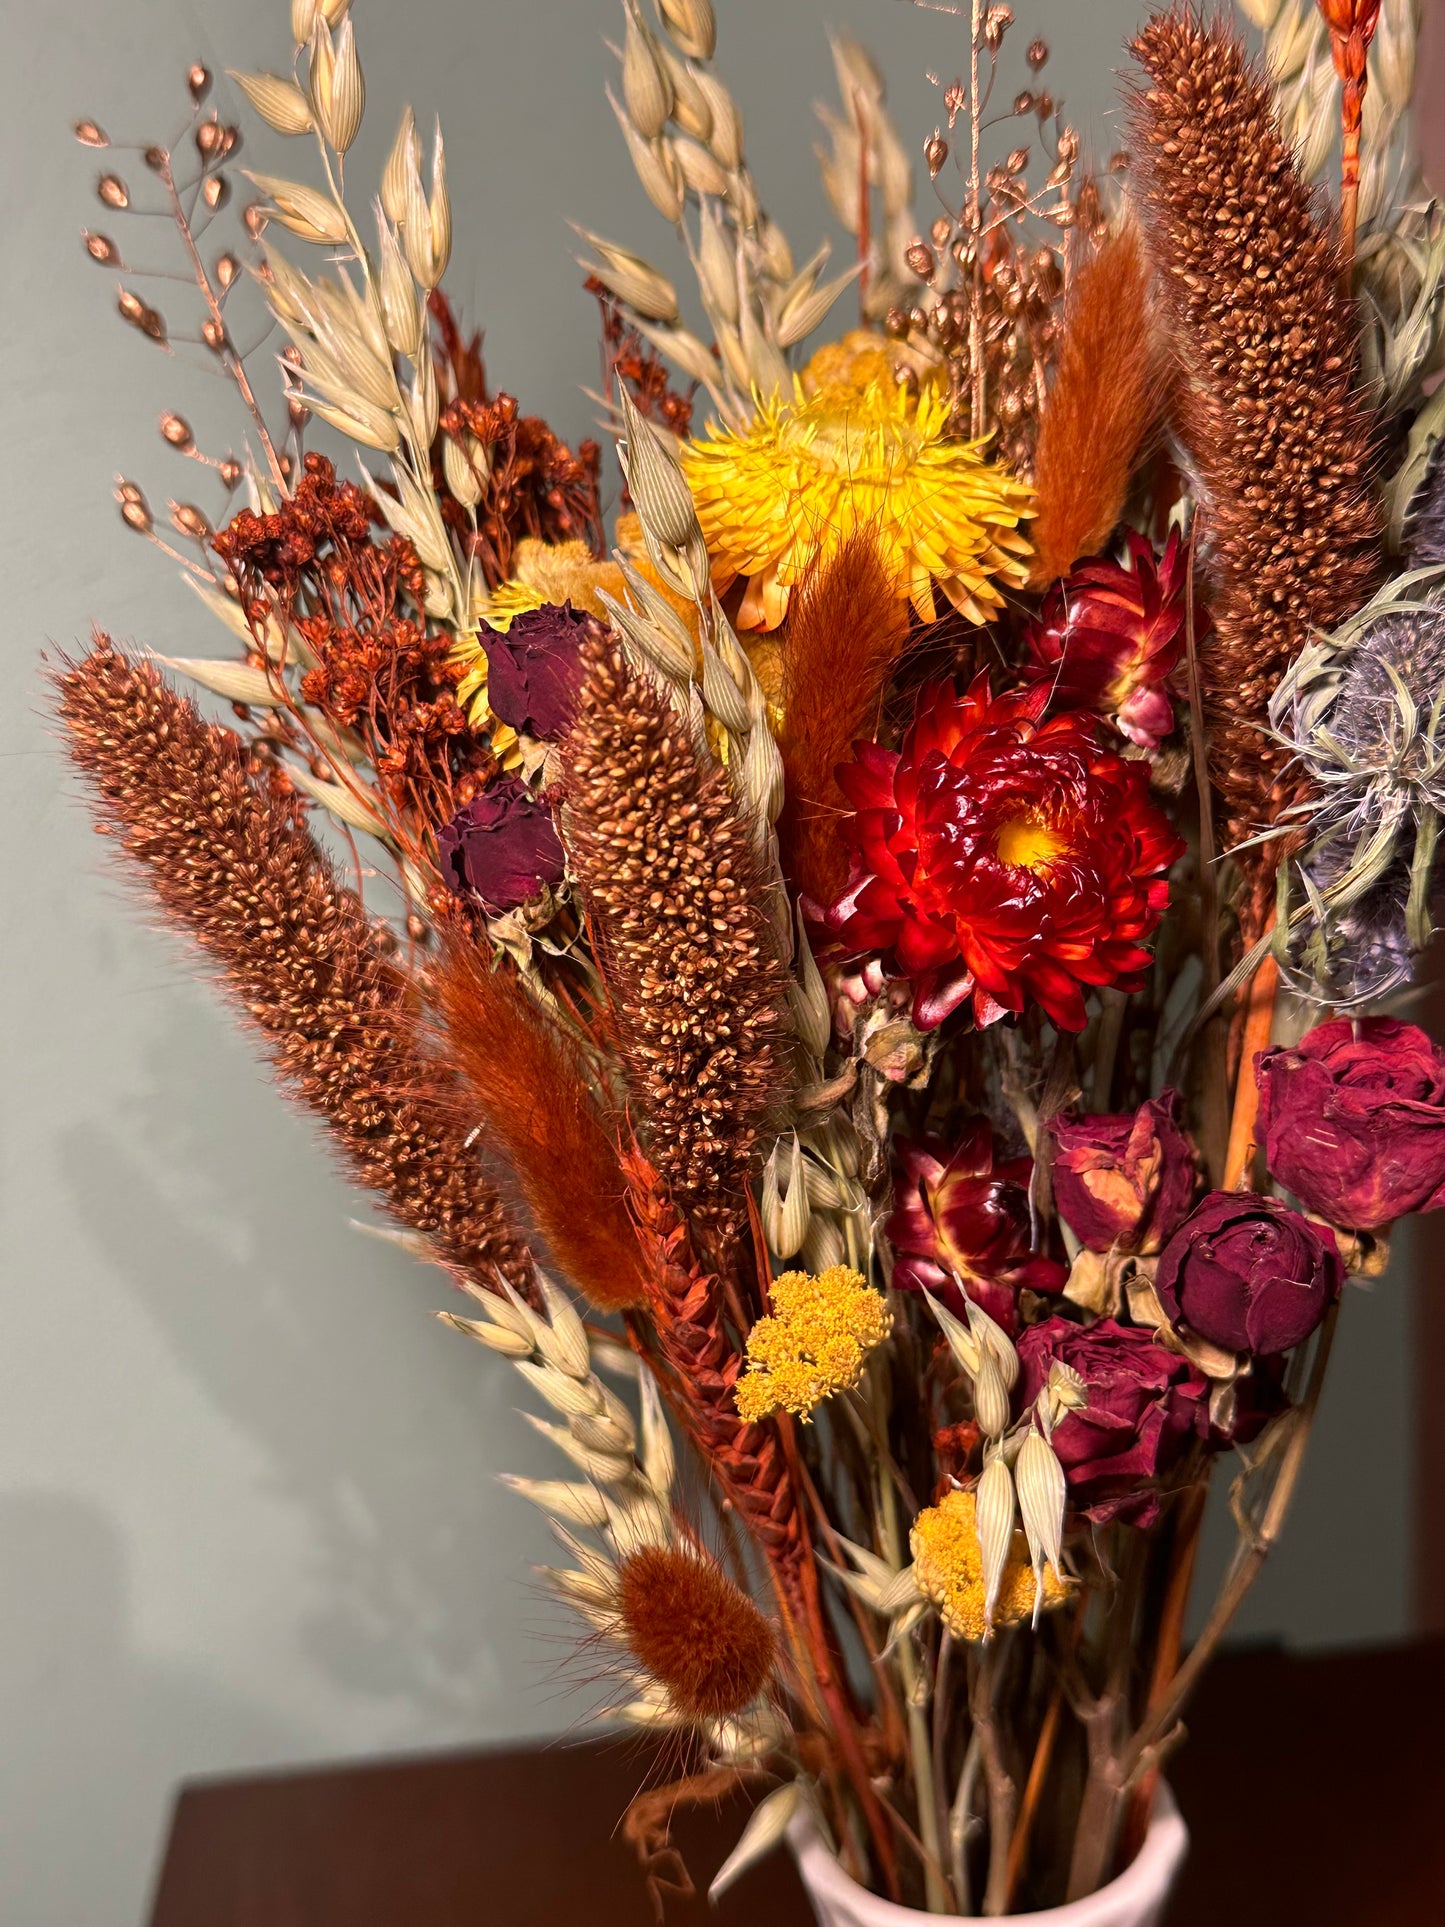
[{"x": 1147, "y": 1875}]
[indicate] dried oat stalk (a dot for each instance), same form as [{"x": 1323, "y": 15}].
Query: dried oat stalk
[{"x": 222, "y": 843}]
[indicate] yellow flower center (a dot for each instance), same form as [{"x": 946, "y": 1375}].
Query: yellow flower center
[
  {"x": 948, "y": 1565},
  {"x": 1027, "y": 844}
]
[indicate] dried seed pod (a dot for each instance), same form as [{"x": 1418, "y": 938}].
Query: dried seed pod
[
  {"x": 726, "y": 138},
  {"x": 216, "y": 191},
  {"x": 654, "y": 166},
  {"x": 632, "y": 280},
  {"x": 994, "y": 1502},
  {"x": 113, "y": 191},
  {"x": 213, "y": 333},
  {"x": 402, "y": 163},
  {"x": 700, "y": 168},
  {"x": 141, "y": 315},
  {"x": 101, "y": 248},
  {"x": 690, "y": 107},
  {"x": 935, "y": 153},
  {"x": 693, "y": 26},
  {"x": 177, "y": 431},
  {"x": 198, "y": 82},
  {"x": 1041, "y": 1495},
  {"x": 1038, "y": 53},
  {"x": 401, "y": 303},
  {"x": 280, "y": 103},
  {"x": 646, "y": 84},
  {"x": 303, "y": 19},
  {"x": 134, "y": 509},
  {"x": 228, "y": 269},
  {"x": 230, "y": 472},
  {"x": 189, "y": 520},
  {"x": 89, "y": 135},
  {"x": 921, "y": 261},
  {"x": 717, "y": 268},
  {"x": 312, "y": 215}
]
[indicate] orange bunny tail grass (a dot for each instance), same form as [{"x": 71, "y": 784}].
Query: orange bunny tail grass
[
  {"x": 222, "y": 843},
  {"x": 528, "y": 1082},
  {"x": 679, "y": 916},
  {"x": 847, "y": 628},
  {"x": 694, "y": 1631},
  {"x": 1264, "y": 334},
  {"x": 1104, "y": 401}
]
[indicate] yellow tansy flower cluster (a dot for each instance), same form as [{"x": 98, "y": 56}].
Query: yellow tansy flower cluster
[
  {"x": 814, "y": 1344},
  {"x": 806, "y": 473},
  {"x": 948, "y": 1565}
]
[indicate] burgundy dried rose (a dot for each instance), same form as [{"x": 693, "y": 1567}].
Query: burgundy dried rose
[
  {"x": 1353, "y": 1120},
  {"x": 1146, "y": 1407},
  {"x": 1124, "y": 1182},
  {"x": 502, "y": 848},
  {"x": 1247, "y": 1273},
  {"x": 960, "y": 1224},
  {"x": 534, "y": 669}
]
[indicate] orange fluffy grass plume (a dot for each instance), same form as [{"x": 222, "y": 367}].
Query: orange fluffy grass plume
[
  {"x": 528, "y": 1082},
  {"x": 694, "y": 1631},
  {"x": 1104, "y": 401},
  {"x": 847, "y": 629}
]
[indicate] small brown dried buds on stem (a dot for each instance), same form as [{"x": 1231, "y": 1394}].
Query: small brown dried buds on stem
[
  {"x": 1265, "y": 336},
  {"x": 223, "y": 846},
  {"x": 1352, "y": 26},
  {"x": 680, "y": 918}
]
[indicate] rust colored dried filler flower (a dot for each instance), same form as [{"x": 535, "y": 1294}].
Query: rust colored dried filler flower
[
  {"x": 666, "y": 868},
  {"x": 226, "y": 853},
  {"x": 1264, "y": 334}
]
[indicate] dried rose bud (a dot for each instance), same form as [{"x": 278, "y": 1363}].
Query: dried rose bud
[
  {"x": 1124, "y": 1182},
  {"x": 534, "y": 668},
  {"x": 101, "y": 248},
  {"x": 113, "y": 190},
  {"x": 1146, "y": 1407},
  {"x": 1353, "y": 1120},
  {"x": 502, "y": 848},
  {"x": 1249, "y": 1274},
  {"x": 177, "y": 431}
]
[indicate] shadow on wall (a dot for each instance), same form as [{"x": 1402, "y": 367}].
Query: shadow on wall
[
  {"x": 99, "y": 1716},
  {"x": 372, "y": 1421}
]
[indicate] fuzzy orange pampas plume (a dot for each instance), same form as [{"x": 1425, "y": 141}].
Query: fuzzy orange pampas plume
[
  {"x": 1264, "y": 333},
  {"x": 528, "y": 1082},
  {"x": 692, "y": 1629},
  {"x": 1101, "y": 407},
  {"x": 679, "y": 916},
  {"x": 846, "y": 630},
  {"x": 226, "y": 853}
]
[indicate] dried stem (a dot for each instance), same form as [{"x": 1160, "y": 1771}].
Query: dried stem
[{"x": 1258, "y": 1022}]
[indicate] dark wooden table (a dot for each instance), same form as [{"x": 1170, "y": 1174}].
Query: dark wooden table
[{"x": 1314, "y": 1788}]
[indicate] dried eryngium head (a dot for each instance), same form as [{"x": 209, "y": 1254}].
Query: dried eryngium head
[{"x": 693, "y": 1630}]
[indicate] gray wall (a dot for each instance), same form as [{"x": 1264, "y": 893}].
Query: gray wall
[{"x": 246, "y": 1503}]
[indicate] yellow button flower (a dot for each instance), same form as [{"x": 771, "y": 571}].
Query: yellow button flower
[
  {"x": 814, "y": 1344},
  {"x": 948, "y": 1566}
]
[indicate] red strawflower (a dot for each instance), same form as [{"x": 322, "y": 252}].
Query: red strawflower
[
  {"x": 960, "y": 1224},
  {"x": 999, "y": 856},
  {"x": 1108, "y": 635}
]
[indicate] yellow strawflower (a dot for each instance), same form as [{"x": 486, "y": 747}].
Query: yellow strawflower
[
  {"x": 805, "y": 474},
  {"x": 948, "y": 1565},
  {"x": 814, "y": 1344}
]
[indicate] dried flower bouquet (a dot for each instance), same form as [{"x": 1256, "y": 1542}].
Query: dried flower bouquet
[{"x": 885, "y": 998}]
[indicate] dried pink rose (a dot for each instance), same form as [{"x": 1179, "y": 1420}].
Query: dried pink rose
[
  {"x": 1353, "y": 1120},
  {"x": 1249, "y": 1274},
  {"x": 1146, "y": 1407},
  {"x": 1124, "y": 1182}
]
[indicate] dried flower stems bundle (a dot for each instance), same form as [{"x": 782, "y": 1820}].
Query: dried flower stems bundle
[
  {"x": 224, "y": 849},
  {"x": 1103, "y": 403},
  {"x": 1264, "y": 335},
  {"x": 847, "y": 629},
  {"x": 678, "y": 909},
  {"x": 529, "y": 1083}
]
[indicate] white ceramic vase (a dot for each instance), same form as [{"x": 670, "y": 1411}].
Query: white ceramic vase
[{"x": 1136, "y": 1899}]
